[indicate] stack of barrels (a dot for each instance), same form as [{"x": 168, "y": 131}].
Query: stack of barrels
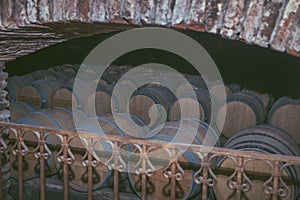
[{"x": 247, "y": 120}]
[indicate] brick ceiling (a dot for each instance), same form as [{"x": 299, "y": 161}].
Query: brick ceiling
[{"x": 29, "y": 25}]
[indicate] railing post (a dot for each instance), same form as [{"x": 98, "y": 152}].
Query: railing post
[
  {"x": 90, "y": 176},
  {"x": 239, "y": 177},
  {"x": 42, "y": 167},
  {"x": 205, "y": 177},
  {"x": 65, "y": 167},
  {"x": 276, "y": 175},
  {"x": 173, "y": 175},
  {"x": 20, "y": 166},
  {"x": 116, "y": 172},
  {"x": 144, "y": 177}
]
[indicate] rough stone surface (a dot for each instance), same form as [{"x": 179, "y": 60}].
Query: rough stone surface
[
  {"x": 71, "y": 9},
  {"x": 44, "y": 11},
  {"x": 294, "y": 43},
  {"x": 196, "y": 16},
  {"x": 214, "y": 15},
  {"x": 83, "y": 11},
  {"x": 58, "y": 10},
  {"x": 164, "y": 12},
  {"x": 99, "y": 11},
  {"x": 252, "y": 21},
  {"x": 271, "y": 13},
  {"x": 4, "y": 115},
  {"x": 131, "y": 11},
  {"x": 115, "y": 10},
  {"x": 286, "y": 25},
  {"x": 180, "y": 13},
  {"x": 233, "y": 19},
  {"x": 148, "y": 9},
  {"x": 265, "y": 23}
]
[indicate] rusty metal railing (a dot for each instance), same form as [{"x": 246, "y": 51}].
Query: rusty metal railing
[{"x": 205, "y": 173}]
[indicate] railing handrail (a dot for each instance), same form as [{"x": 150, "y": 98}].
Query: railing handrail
[{"x": 295, "y": 160}]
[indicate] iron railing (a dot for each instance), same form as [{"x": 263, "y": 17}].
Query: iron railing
[{"x": 275, "y": 185}]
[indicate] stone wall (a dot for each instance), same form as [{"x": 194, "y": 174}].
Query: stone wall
[
  {"x": 267, "y": 23},
  {"x": 4, "y": 116}
]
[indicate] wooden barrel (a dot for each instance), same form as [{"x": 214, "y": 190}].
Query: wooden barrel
[
  {"x": 111, "y": 78},
  {"x": 142, "y": 104},
  {"x": 157, "y": 184},
  {"x": 102, "y": 97},
  {"x": 106, "y": 102},
  {"x": 101, "y": 175},
  {"x": 229, "y": 89},
  {"x": 64, "y": 75},
  {"x": 123, "y": 124},
  {"x": 15, "y": 84},
  {"x": 39, "y": 93},
  {"x": 266, "y": 98},
  {"x": 188, "y": 102},
  {"x": 63, "y": 97},
  {"x": 58, "y": 118},
  {"x": 260, "y": 88},
  {"x": 285, "y": 114},
  {"x": 19, "y": 109},
  {"x": 91, "y": 74},
  {"x": 193, "y": 81},
  {"x": 66, "y": 67},
  {"x": 101, "y": 82},
  {"x": 40, "y": 74},
  {"x": 265, "y": 139},
  {"x": 244, "y": 109}
]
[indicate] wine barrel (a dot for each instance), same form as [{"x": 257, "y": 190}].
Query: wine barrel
[
  {"x": 266, "y": 98},
  {"x": 188, "y": 102},
  {"x": 142, "y": 104},
  {"x": 66, "y": 67},
  {"x": 285, "y": 114},
  {"x": 63, "y": 97},
  {"x": 91, "y": 74},
  {"x": 15, "y": 84},
  {"x": 58, "y": 118},
  {"x": 157, "y": 184},
  {"x": 39, "y": 74},
  {"x": 101, "y": 82},
  {"x": 263, "y": 92},
  {"x": 193, "y": 81},
  {"x": 126, "y": 125},
  {"x": 106, "y": 102},
  {"x": 64, "y": 75},
  {"x": 244, "y": 109},
  {"x": 265, "y": 139},
  {"x": 101, "y": 175},
  {"x": 102, "y": 97},
  {"x": 111, "y": 78},
  {"x": 229, "y": 89},
  {"x": 39, "y": 93},
  {"x": 19, "y": 109}
]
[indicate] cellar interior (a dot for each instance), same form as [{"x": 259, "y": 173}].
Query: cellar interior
[
  {"x": 168, "y": 146},
  {"x": 251, "y": 67}
]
